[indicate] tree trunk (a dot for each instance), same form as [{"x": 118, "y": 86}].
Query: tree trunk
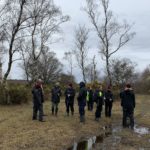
[{"x": 108, "y": 71}]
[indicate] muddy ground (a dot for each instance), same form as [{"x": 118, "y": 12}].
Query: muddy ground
[{"x": 19, "y": 132}]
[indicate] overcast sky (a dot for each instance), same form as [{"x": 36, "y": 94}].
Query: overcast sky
[{"x": 134, "y": 11}]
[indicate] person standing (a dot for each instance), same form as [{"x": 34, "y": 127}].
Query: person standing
[
  {"x": 40, "y": 82},
  {"x": 69, "y": 99},
  {"x": 99, "y": 99},
  {"x": 55, "y": 98},
  {"x": 128, "y": 105},
  {"x": 37, "y": 101},
  {"x": 82, "y": 101},
  {"x": 108, "y": 97},
  {"x": 89, "y": 98}
]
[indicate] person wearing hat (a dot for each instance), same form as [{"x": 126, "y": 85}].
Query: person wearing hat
[
  {"x": 37, "y": 101},
  {"x": 55, "y": 98},
  {"x": 128, "y": 105},
  {"x": 108, "y": 98},
  {"x": 69, "y": 99},
  {"x": 99, "y": 99},
  {"x": 82, "y": 101}
]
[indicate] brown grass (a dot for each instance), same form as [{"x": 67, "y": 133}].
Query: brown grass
[{"x": 19, "y": 132}]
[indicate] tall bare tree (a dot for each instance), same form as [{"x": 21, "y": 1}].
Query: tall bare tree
[
  {"x": 22, "y": 19},
  {"x": 46, "y": 20},
  {"x": 112, "y": 34},
  {"x": 68, "y": 56},
  {"x": 81, "y": 48},
  {"x": 92, "y": 73},
  {"x": 14, "y": 21}
]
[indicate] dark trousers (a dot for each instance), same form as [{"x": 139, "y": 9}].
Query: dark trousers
[
  {"x": 81, "y": 110},
  {"x": 98, "y": 111},
  {"x": 54, "y": 108},
  {"x": 128, "y": 113},
  {"x": 90, "y": 105},
  {"x": 108, "y": 108},
  {"x": 37, "y": 108},
  {"x": 69, "y": 106}
]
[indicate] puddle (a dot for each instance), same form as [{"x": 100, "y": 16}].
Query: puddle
[
  {"x": 107, "y": 140},
  {"x": 141, "y": 130}
]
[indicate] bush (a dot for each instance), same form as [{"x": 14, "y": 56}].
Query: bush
[
  {"x": 3, "y": 97},
  {"x": 16, "y": 94}
]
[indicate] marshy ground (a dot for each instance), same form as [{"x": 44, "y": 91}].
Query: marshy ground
[{"x": 19, "y": 132}]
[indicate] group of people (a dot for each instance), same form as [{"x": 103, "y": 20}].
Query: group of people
[{"x": 86, "y": 96}]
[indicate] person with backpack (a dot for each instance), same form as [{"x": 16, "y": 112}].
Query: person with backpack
[
  {"x": 82, "y": 101},
  {"x": 128, "y": 105},
  {"x": 55, "y": 98},
  {"x": 108, "y": 98},
  {"x": 69, "y": 99},
  {"x": 99, "y": 99}
]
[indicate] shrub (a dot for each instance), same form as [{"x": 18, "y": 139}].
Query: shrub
[
  {"x": 18, "y": 95},
  {"x": 15, "y": 94},
  {"x": 3, "y": 97}
]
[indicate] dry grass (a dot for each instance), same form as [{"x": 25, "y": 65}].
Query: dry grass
[{"x": 19, "y": 132}]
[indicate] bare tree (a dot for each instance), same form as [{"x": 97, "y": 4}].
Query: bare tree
[
  {"x": 81, "y": 49},
  {"x": 15, "y": 20},
  {"x": 68, "y": 56},
  {"x": 112, "y": 34},
  {"x": 92, "y": 73},
  {"x": 29, "y": 18},
  {"x": 46, "y": 20},
  {"x": 123, "y": 71},
  {"x": 47, "y": 67}
]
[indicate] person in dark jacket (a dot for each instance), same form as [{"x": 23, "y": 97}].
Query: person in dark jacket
[
  {"x": 40, "y": 82},
  {"x": 69, "y": 99},
  {"x": 82, "y": 101},
  {"x": 128, "y": 105},
  {"x": 99, "y": 99},
  {"x": 37, "y": 101},
  {"x": 55, "y": 98},
  {"x": 89, "y": 98},
  {"x": 108, "y": 97}
]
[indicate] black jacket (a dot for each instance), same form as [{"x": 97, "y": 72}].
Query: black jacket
[
  {"x": 82, "y": 96},
  {"x": 127, "y": 99},
  {"x": 99, "y": 97},
  {"x": 69, "y": 94},
  {"x": 108, "y": 96},
  {"x": 37, "y": 95},
  {"x": 56, "y": 93}
]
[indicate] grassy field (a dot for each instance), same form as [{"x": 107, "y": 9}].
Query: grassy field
[{"x": 19, "y": 132}]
